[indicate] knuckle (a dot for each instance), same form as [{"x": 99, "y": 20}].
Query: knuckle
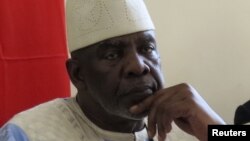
[
  {"x": 168, "y": 128},
  {"x": 186, "y": 89},
  {"x": 185, "y": 86}
]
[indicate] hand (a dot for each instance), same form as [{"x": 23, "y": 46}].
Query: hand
[{"x": 181, "y": 104}]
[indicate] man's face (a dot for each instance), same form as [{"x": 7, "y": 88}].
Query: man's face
[{"x": 121, "y": 72}]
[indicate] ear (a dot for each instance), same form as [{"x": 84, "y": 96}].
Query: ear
[{"x": 73, "y": 69}]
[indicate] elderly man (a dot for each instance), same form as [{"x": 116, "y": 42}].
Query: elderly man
[{"x": 115, "y": 66}]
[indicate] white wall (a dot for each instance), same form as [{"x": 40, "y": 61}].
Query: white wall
[{"x": 206, "y": 43}]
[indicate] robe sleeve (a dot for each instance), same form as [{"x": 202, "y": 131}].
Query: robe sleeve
[{"x": 11, "y": 132}]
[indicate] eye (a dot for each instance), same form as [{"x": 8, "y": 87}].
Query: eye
[
  {"x": 111, "y": 55},
  {"x": 148, "y": 48}
]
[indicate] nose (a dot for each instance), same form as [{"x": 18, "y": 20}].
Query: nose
[{"x": 136, "y": 66}]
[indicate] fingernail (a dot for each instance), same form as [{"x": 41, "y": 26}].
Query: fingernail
[{"x": 159, "y": 138}]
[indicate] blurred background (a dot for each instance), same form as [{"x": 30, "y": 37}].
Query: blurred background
[{"x": 206, "y": 43}]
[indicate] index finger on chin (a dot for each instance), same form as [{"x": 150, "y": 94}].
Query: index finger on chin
[{"x": 142, "y": 106}]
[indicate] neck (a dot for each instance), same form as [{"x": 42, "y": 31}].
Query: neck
[{"x": 96, "y": 114}]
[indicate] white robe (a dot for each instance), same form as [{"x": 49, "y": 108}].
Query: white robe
[{"x": 63, "y": 120}]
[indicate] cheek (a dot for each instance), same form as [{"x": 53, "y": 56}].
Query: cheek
[
  {"x": 158, "y": 75},
  {"x": 103, "y": 81},
  {"x": 160, "y": 79}
]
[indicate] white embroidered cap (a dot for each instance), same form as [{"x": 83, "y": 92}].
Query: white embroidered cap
[{"x": 92, "y": 21}]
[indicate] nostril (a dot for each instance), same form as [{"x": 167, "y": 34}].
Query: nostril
[
  {"x": 143, "y": 70},
  {"x": 131, "y": 74},
  {"x": 146, "y": 70}
]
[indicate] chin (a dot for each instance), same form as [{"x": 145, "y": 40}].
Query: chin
[{"x": 123, "y": 112}]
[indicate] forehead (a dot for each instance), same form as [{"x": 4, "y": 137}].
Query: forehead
[{"x": 138, "y": 36}]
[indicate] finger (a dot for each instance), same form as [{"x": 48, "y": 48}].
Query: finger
[
  {"x": 151, "y": 123},
  {"x": 154, "y": 113},
  {"x": 142, "y": 106},
  {"x": 161, "y": 133},
  {"x": 164, "y": 123},
  {"x": 161, "y": 128},
  {"x": 161, "y": 138},
  {"x": 181, "y": 114},
  {"x": 167, "y": 123}
]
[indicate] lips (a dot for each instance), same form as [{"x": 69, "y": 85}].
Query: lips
[
  {"x": 136, "y": 90},
  {"x": 144, "y": 89},
  {"x": 134, "y": 95},
  {"x": 141, "y": 90}
]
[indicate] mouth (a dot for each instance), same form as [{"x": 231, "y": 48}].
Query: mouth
[
  {"x": 141, "y": 89},
  {"x": 139, "y": 93}
]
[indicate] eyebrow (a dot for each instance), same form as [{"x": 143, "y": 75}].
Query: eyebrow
[
  {"x": 148, "y": 38},
  {"x": 114, "y": 43},
  {"x": 109, "y": 44}
]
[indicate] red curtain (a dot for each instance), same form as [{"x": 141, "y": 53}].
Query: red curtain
[{"x": 32, "y": 54}]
